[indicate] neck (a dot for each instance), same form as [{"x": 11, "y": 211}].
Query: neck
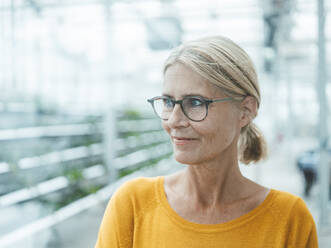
[{"x": 215, "y": 182}]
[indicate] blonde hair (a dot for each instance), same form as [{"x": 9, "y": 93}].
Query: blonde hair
[{"x": 226, "y": 65}]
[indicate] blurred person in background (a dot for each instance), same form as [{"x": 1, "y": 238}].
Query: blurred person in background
[
  {"x": 209, "y": 100},
  {"x": 307, "y": 164}
]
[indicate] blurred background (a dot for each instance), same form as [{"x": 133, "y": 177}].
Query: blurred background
[{"x": 75, "y": 124}]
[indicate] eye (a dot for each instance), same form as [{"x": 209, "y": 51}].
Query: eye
[
  {"x": 167, "y": 102},
  {"x": 195, "y": 102}
]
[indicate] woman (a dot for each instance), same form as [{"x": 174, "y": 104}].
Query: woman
[{"x": 210, "y": 97}]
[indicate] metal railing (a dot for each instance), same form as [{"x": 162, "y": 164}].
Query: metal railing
[{"x": 134, "y": 143}]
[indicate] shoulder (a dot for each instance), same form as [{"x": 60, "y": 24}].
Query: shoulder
[
  {"x": 140, "y": 185},
  {"x": 297, "y": 219},
  {"x": 292, "y": 206},
  {"x": 284, "y": 199},
  {"x": 132, "y": 199},
  {"x": 136, "y": 191}
]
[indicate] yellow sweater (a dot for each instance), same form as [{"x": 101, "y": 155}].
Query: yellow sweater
[{"x": 139, "y": 216}]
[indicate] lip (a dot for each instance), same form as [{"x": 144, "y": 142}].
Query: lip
[{"x": 182, "y": 140}]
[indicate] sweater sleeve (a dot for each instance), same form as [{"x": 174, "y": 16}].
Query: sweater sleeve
[
  {"x": 302, "y": 228},
  {"x": 312, "y": 240},
  {"x": 116, "y": 230}
]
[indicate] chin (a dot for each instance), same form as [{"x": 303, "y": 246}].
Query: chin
[{"x": 186, "y": 157}]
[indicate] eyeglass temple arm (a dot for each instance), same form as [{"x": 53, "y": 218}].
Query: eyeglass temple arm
[{"x": 221, "y": 100}]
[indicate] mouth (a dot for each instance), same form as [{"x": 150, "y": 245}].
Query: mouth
[{"x": 182, "y": 140}]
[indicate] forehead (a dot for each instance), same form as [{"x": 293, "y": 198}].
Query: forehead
[{"x": 180, "y": 80}]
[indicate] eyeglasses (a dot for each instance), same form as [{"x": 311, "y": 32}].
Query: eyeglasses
[{"x": 195, "y": 108}]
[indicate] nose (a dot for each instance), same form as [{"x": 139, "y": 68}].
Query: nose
[{"x": 177, "y": 118}]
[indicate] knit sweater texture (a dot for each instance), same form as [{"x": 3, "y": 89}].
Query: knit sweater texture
[{"x": 138, "y": 215}]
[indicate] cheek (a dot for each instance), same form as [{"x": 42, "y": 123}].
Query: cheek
[
  {"x": 214, "y": 137},
  {"x": 222, "y": 134},
  {"x": 165, "y": 127}
]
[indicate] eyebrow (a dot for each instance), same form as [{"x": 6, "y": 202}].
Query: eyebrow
[{"x": 187, "y": 95}]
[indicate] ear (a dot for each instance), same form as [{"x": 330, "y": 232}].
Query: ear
[{"x": 248, "y": 110}]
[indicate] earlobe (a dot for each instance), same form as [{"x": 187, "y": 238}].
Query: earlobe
[{"x": 245, "y": 118}]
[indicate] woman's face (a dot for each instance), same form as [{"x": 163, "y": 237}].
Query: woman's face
[{"x": 214, "y": 137}]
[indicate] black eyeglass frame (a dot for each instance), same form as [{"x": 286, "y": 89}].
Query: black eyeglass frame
[{"x": 180, "y": 102}]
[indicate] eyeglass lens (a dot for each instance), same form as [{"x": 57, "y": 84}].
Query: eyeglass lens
[{"x": 194, "y": 108}]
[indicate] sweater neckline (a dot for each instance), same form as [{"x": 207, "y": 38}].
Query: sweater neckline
[{"x": 161, "y": 195}]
